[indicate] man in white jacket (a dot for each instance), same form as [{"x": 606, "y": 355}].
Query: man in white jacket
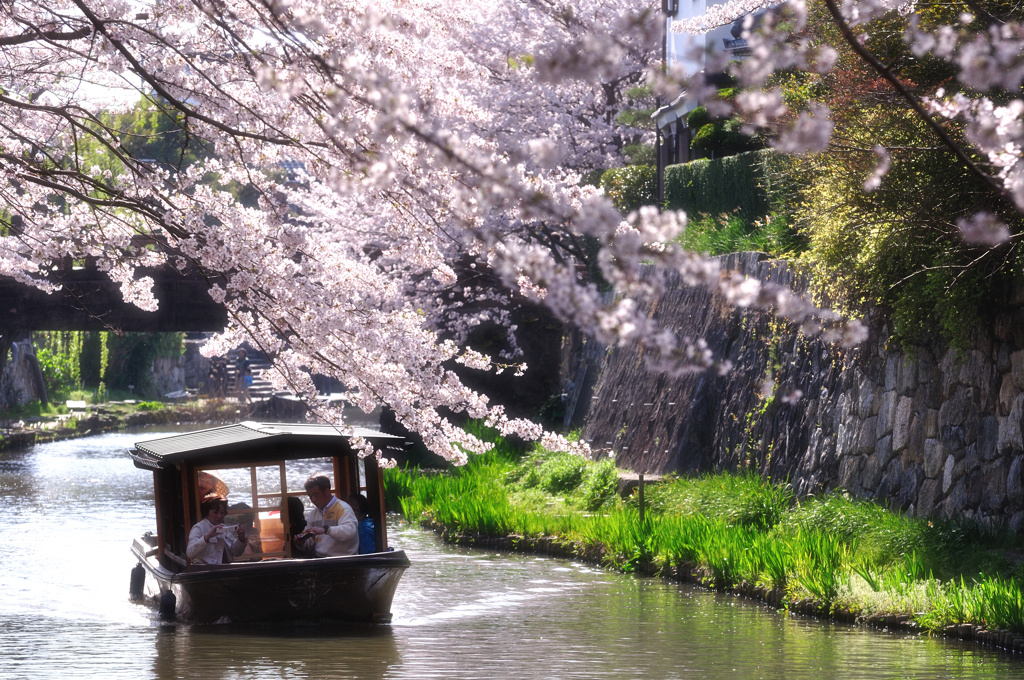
[{"x": 333, "y": 526}]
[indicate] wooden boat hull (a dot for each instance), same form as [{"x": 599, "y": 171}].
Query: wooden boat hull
[{"x": 355, "y": 588}]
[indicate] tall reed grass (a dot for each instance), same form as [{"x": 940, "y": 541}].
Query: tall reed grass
[
  {"x": 735, "y": 528},
  {"x": 994, "y": 601}
]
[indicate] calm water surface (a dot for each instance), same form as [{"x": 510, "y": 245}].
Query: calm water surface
[{"x": 70, "y": 510}]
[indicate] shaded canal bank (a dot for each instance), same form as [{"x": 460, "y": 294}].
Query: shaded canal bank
[
  {"x": 459, "y": 613},
  {"x": 933, "y": 431}
]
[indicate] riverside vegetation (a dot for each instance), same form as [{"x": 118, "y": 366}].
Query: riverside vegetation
[
  {"x": 830, "y": 555},
  {"x": 33, "y": 423}
]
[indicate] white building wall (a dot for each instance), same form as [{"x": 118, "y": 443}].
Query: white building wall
[{"x": 688, "y": 52}]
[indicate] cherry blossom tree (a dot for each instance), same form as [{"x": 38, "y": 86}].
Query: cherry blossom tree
[{"x": 417, "y": 136}]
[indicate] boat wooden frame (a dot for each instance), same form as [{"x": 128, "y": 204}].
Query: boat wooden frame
[{"x": 273, "y": 585}]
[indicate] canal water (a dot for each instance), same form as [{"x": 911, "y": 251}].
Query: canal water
[{"x": 70, "y": 510}]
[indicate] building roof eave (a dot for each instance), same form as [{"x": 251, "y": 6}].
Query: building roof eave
[{"x": 672, "y": 112}]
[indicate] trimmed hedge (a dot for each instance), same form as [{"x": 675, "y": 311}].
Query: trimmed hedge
[
  {"x": 631, "y": 187},
  {"x": 721, "y": 185}
]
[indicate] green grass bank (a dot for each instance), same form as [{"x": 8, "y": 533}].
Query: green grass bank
[{"x": 830, "y": 556}]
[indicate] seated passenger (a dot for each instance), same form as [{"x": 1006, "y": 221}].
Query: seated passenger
[
  {"x": 208, "y": 542},
  {"x": 296, "y": 521},
  {"x": 367, "y": 531},
  {"x": 333, "y": 528},
  {"x": 254, "y": 543}
]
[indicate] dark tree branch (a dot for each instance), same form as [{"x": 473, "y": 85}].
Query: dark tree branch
[{"x": 52, "y": 36}]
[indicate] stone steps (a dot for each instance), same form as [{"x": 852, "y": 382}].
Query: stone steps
[{"x": 258, "y": 365}]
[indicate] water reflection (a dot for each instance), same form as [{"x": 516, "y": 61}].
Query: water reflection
[
  {"x": 228, "y": 652},
  {"x": 70, "y": 511}
]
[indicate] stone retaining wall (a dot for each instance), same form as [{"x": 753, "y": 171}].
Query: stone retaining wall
[
  {"x": 933, "y": 432},
  {"x": 188, "y": 371}
]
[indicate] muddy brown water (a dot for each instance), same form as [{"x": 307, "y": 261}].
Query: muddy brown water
[{"x": 70, "y": 510}]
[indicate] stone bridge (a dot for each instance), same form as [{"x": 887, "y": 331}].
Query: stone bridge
[{"x": 89, "y": 301}]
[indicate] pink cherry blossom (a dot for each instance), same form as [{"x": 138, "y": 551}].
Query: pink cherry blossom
[{"x": 404, "y": 161}]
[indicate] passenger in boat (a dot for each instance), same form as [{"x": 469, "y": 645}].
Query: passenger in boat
[
  {"x": 333, "y": 528},
  {"x": 208, "y": 543},
  {"x": 254, "y": 544},
  {"x": 296, "y": 520},
  {"x": 367, "y": 531}
]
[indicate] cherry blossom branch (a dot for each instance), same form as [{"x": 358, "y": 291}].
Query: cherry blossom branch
[{"x": 101, "y": 27}]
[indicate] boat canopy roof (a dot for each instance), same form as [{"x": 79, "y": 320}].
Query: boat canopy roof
[{"x": 252, "y": 441}]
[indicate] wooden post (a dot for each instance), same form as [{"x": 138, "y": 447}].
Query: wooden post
[
  {"x": 640, "y": 493},
  {"x": 158, "y": 505},
  {"x": 286, "y": 520},
  {"x": 375, "y": 496},
  {"x": 188, "y": 483},
  {"x": 342, "y": 476}
]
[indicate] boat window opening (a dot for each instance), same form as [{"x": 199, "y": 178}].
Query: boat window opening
[
  {"x": 300, "y": 470},
  {"x": 254, "y": 494},
  {"x": 257, "y": 495}
]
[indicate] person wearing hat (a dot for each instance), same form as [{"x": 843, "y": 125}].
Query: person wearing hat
[
  {"x": 333, "y": 528},
  {"x": 208, "y": 542},
  {"x": 210, "y": 482}
]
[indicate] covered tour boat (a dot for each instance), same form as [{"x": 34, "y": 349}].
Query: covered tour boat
[{"x": 258, "y": 466}]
